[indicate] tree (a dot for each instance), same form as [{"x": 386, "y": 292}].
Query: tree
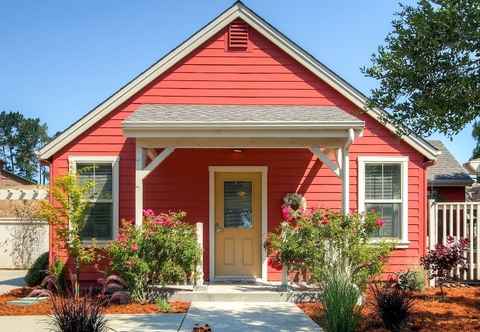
[
  {"x": 429, "y": 69},
  {"x": 476, "y": 136},
  {"x": 67, "y": 212},
  {"x": 20, "y": 137}
]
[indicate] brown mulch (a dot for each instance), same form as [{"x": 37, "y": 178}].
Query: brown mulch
[
  {"x": 458, "y": 312},
  {"x": 45, "y": 308}
]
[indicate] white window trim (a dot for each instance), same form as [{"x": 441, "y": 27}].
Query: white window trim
[
  {"x": 114, "y": 160},
  {"x": 403, "y": 242}
]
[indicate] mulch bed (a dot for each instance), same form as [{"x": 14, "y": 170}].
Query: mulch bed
[
  {"x": 45, "y": 308},
  {"x": 459, "y": 312}
]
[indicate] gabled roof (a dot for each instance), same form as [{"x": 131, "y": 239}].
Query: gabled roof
[
  {"x": 447, "y": 171},
  {"x": 237, "y": 10}
]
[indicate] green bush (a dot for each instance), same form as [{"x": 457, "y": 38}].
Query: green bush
[
  {"x": 340, "y": 299},
  {"x": 163, "y": 251},
  {"x": 38, "y": 271},
  {"x": 411, "y": 280},
  {"x": 316, "y": 241}
]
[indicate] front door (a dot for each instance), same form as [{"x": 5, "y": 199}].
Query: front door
[{"x": 238, "y": 224}]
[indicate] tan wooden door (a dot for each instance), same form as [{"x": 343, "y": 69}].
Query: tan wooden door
[{"x": 238, "y": 224}]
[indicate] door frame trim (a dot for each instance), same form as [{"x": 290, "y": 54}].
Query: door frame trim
[{"x": 211, "y": 213}]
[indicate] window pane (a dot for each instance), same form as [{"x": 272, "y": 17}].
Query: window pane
[
  {"x": 237, "y": 204},
  {"x": 103, "y": 181},
  {"x": 391, "y": 215},
  {"x": 85, "y": 173},
  {"x": 373, "y": 181},
  {"x": 391, "y": 181},
  {"x": 383, "y": 181},
  {"x": 98, "y": 222}
]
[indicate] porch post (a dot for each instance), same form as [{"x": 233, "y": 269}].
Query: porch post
[
  {"x": 139, "y": 163},
  {"x": 345, "y": 181}
]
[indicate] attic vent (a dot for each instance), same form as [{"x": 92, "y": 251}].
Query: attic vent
[{"x": 238, "y": 36}]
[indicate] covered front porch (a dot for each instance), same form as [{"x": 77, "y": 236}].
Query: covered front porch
[{"x": 229, "y": 168}]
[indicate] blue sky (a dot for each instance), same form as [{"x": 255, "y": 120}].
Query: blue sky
[{"x": 61, "y": 58}]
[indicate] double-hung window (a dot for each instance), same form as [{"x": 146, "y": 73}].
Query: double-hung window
[
  {"x": 383, "y": 188},
  {"x": 102, "y": 217}
]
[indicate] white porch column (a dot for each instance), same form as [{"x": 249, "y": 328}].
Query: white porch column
[
  {"x": 345, "y": 181},
  {"x": 139, "y": 164}
]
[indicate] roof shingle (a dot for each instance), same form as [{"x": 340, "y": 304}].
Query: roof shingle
[
  {"x": 160, "y": 113},
  {"x": 447, "y": 171}
]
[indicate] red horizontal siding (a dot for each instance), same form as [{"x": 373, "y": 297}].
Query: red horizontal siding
[{"x": 262, "y": 75}]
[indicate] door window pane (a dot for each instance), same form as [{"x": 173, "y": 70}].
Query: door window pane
[{"x": 237, "y": 204}]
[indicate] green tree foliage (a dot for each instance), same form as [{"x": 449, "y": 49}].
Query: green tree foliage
[
  {"x": 20, "y": 137},
  {"x": 67, "y": 212},
  {"x": 429, "y": 69},
  {"x": 476, "y": 136}
]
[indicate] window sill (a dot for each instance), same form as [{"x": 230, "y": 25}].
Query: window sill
[{"x": 399, "y": 244}]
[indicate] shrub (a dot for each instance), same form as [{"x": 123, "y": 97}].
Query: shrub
[
  {"x": 340, "y": 298},
  {"x": 162, "y": 304},
  {"x": 164, "y": 250},
  {"x": 393, "y": 304},
  {"x": 316, "y": 239},
  {"x": 38, "y": 271},
  {"x": 75, "y": 314},
  {"x": 441, "y": 261},
  {"x": 113, "y": 289},
  {"x": 411, "y": 280}
]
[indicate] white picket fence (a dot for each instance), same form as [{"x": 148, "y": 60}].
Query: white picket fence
[{"x": 460, "y": 221}]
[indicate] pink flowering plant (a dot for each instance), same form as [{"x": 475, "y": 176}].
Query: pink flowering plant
[
  {"x": 316, "y": 238},
  {"x": 444, "y": 259},
  {"x": 294, "y": 206},
  {"x": 164, "y": 250}
]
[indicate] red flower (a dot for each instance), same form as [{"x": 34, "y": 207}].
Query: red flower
[
  {"x": 134, "y": 247},
  {"x": 380, "y": 222}
]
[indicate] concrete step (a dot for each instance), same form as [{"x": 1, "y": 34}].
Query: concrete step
[{"x": 247, "y": 296}]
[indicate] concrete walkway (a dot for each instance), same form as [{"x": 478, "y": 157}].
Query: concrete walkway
[
  {"x": 119, "y": 323},
  {"x": 10, "y": 279},
  {"x": 222, "y": 316},
  {"x": 249, "y": 316}
]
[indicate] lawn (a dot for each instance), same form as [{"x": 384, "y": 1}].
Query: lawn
[
  {"x": 44, "y": 308},
  {"x": 459, "y": 312}
]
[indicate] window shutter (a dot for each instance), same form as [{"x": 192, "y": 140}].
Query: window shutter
[{"x": 238, "y": 36}]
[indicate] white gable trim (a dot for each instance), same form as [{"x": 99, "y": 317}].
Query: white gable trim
[{"x": 238, "y": 10}]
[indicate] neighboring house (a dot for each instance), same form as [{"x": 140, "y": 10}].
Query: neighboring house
[
  {"x": 447, "y": 179},
  {"x": 9, "y": 179},
  {"x": 473, "y": 169},
  {"x": 22, "y": 237},
  {"x": 223, "y": 127}
]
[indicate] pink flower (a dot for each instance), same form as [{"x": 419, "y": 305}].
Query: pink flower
[
  {"x": 380, "y": 222},
  {"x": 148, "y": 213},
  {"x": 325, "y": 221},
  {"x": 134, "y": 247},
  {"x": 287, "y": 213}
]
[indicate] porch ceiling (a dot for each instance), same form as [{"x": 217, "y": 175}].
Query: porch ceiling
[{"x": 238, "y": 121}]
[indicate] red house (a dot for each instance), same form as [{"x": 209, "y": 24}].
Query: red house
[{"x": 224, "y": 126}]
